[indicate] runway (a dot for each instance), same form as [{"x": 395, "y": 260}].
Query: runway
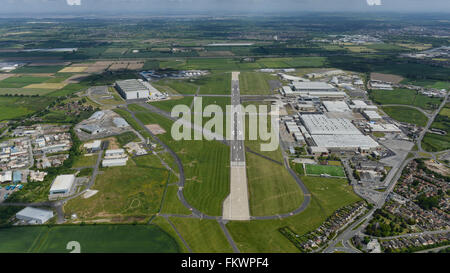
[{"x": 236, "y": 205}]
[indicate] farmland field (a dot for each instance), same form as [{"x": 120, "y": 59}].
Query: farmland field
[
  {"x": 21, "y": 81},
  {"x": 325, "y": 169},
  {"x": 92, "y": 238},
  {"x": 405, "y": 114}
]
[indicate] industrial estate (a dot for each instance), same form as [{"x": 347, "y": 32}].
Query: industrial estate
[{"x": 87, "y": 147}]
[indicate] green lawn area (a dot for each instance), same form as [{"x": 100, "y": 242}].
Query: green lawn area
[
  {"x": 127, "y": 137},
  {"x": 206, "y": 165},
  {"x": 176, "y": 86},
  {"x": 434, "y": 142},
  {"x": 404, "y": 96},
  {"x": 405, "y": 114},
  {"x": 429, "y": 84},
  {"x": 92, "y": 238},
  {"x": 328, "y": 195},
  {"x": 17, "y": 107},
  {"x": 215, "y": 84},
  {"x": 171, "y": 204},
  {"x": 251, "y": 83},
  {"x": 202, "y": 235},
  {"x": 292, "y": 62},
  {"x": 126, "y": 194},
  {"x": 167, "y": 105},
  {"x": 272, "y": 190},
  {"x": 324, "y": 169},
  {"x": 68, "y": 90},
  {"x": 84, "y": 161},
  {"x": 21, "y": 81}
]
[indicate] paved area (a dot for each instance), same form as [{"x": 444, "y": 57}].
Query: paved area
[{"x": 236, "y": 205}]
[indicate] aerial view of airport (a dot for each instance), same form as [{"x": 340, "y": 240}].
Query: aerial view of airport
[{"x": 298, "y": 131}]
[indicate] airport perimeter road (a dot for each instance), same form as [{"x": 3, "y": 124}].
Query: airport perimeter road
[{"x": 236, "y": 205}]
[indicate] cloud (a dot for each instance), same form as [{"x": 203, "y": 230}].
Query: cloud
[
  {"x": 74, "y": 2},
  {"x": 374, "y": 2}
]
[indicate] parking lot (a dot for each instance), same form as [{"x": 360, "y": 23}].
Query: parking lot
[{"x": 4, "y": 191}]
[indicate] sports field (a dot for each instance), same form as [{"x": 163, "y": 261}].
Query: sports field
[
  {"x": 92, "y": 239},
  {"x": 331, "y": 170}
]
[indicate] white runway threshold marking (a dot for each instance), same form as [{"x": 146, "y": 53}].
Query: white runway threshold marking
[{"x": 236, "y": 205}]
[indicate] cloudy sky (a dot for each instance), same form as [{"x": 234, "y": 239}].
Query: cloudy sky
[{"x": 201, "y": 6}]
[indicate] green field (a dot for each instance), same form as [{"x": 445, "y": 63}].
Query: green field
[
  {"x": 21, "y": 81},
  {"x": 92, "y": 238},
  {"x": 206, "y": 165},
  {"x": 17, "y": 107},
  {"x": 176, "y": 86},
  {"x": 328, "y": 195},
  {"x": 434, "y": 142},
  {"x": 215, "y": 84},
  {"x": 405, "y": 114},
  {"x": 167, "y": 105},
  {"x": 406, "y": 97},
  {"x": 126, "y": 194},
  {"x": 127, "y": 137},
  {"x": 336, "y": 171},
  {"x": 202, "y": 235},
  {"x": 39, "y": 69},
  {"x": 272, "y": 190},
  {"x": 254, "y": 83},
  {"x": 84, "y": 161}
]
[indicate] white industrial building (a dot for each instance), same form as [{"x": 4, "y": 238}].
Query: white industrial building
[
  {"x": 133, "y": 89},
  {"x": 322, "y": 125},
  {"x": 371, "y": 115},
  {"x": 345, "y": 141},
  {"x": 361, "y": 105},
  {"x": 115, "y": 162},
  {"x": 6, "y": 177},
  {"x": 312, "y": 87},
  {"x": 384, "y": 128},
  {"x": 120, "y": 122},
  {"x": 62, "y": 184},
  {"x": 34, "y": 215},
  {"x": 336, "y": 106},
  {"x": 93, "y": 147},
  {"x": 117, "y": 153},
  {"x": 336, "y": 133}
]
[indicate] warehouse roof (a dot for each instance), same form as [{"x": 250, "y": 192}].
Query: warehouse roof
[
  {"x": 63, "y": 183},
  {"x": 344, "y": 141},
  {"x": 312, "y": 86},
  {"x": 35, "y": 213},
  {"x": 131, "y": 85},
  {"x": 336, "y": 106},
  {"x": 322, "y": 125}
]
